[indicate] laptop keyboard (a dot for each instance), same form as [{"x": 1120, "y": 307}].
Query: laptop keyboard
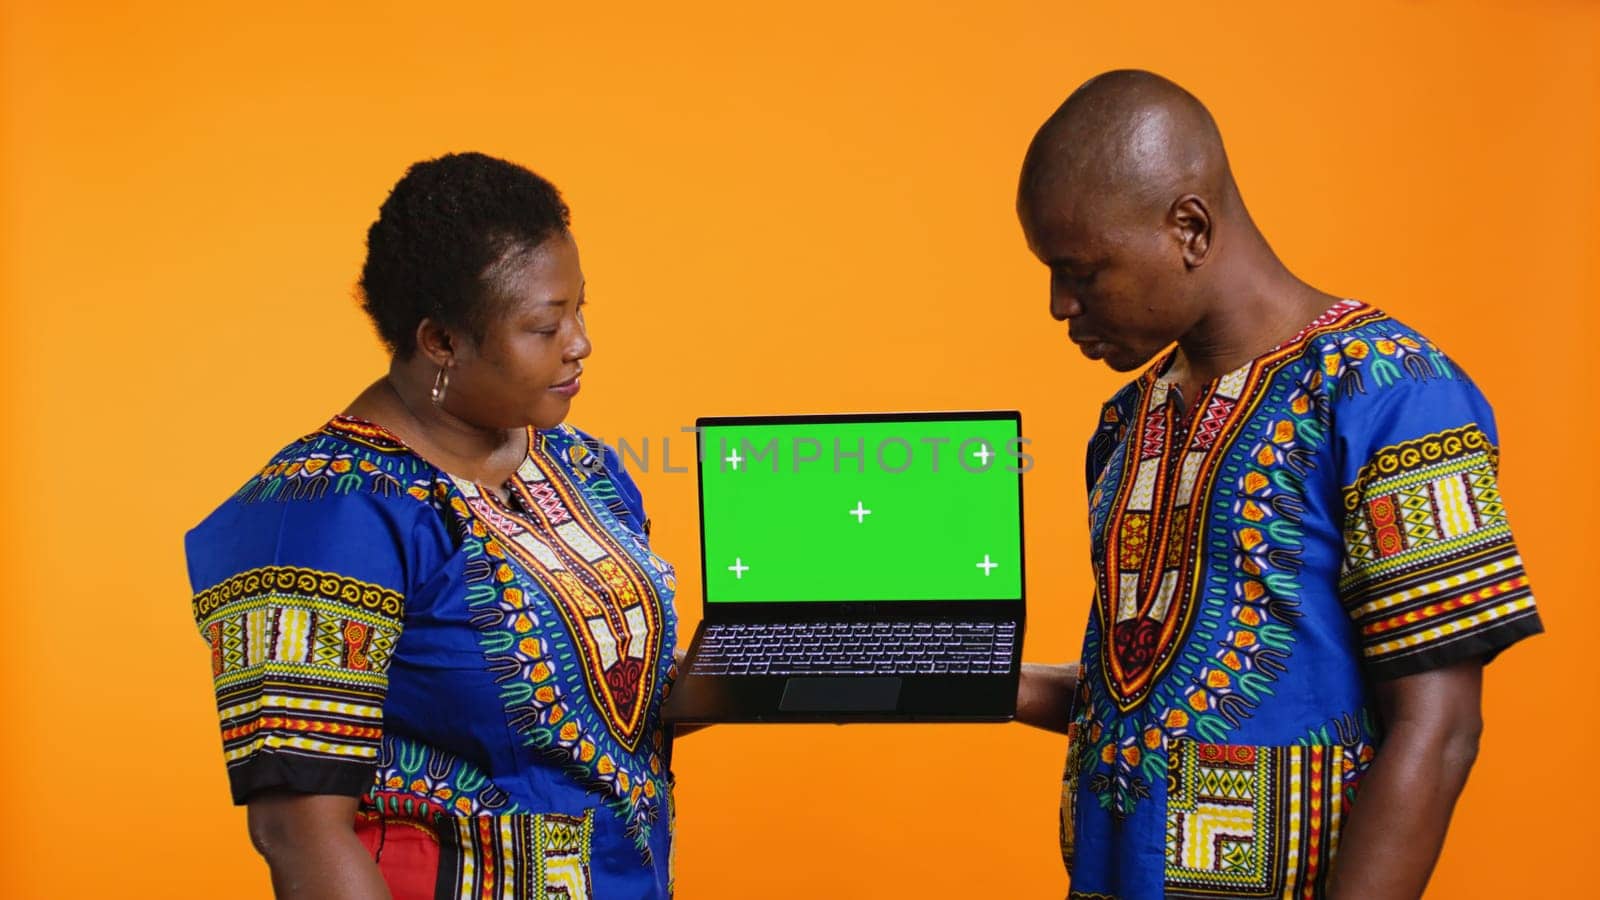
[{"x": 857, "y": 648}]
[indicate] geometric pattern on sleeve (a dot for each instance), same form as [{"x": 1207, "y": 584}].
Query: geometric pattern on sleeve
[
  {"x": 1432, "y": 574},
  {"x": 298, "y": 660}
]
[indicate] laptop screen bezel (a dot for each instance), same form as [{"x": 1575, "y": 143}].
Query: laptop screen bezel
[{"x": 731, "y": 610}]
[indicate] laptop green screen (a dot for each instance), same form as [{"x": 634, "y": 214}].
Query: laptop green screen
[{"x": 862, "y": 511}]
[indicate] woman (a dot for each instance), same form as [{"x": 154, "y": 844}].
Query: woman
[{"x": 439, "y": 638}]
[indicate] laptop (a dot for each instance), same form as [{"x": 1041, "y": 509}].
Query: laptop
[{"x": 862, "y": 568}]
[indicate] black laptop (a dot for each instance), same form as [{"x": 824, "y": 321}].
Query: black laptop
[{"x": 858, "y": 568}]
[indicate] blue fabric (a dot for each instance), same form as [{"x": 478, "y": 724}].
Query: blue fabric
[
  {"x": 498, "y": 697},
  {"x": 1326, "y": 517}
]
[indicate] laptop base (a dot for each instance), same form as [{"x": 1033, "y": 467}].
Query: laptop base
[{"x": 700, "y": 699}]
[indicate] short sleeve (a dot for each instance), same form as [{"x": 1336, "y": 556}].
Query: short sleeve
[
  {"x": 301, "y": 602},
  {"x": 1432, "y": 575}
]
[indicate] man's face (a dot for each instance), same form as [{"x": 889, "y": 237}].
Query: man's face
[{"x": 1116, "y": 276}]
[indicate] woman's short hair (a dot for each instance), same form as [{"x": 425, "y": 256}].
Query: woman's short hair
[{"x": 442, "y": 229}]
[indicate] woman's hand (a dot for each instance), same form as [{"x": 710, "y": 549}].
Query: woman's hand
[
  {"x": 1044, "y": 695},
  {"x": 678, "y": 654},
  {"x": 310, "y": 845}
]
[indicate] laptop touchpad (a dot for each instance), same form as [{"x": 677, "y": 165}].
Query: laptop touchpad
[{"x": 840, "y": 695}]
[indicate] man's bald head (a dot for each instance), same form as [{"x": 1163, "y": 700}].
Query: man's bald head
[
  {"x": 1127, "y": 197},
  {"x": 1125, "y": 142}
]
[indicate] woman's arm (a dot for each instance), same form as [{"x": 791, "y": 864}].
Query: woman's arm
[
  {"x": 679, "y": 731},
  {"x": 309, "y": 842},
  {"x": 1044, "y": 695}
]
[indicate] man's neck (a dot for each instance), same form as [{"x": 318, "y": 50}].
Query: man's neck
[{"x": 1249, "y": 315}]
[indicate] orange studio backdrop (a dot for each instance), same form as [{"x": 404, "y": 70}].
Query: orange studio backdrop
[{"x": 781, "y": 208}]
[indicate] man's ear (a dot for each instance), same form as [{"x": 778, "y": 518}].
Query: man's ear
[{"x": 1190, "y": 221}]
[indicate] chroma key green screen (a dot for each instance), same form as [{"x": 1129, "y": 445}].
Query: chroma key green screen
[{"x": 862, "y": 511}]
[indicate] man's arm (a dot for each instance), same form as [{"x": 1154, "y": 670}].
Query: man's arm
[
  {"x": 1044, "y": 695},
  {"x": 1402, "y": 810},
  {"x": 310, "y": 844}
]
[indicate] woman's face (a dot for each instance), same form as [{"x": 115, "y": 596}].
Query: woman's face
[{"x": 525, "y": 370}]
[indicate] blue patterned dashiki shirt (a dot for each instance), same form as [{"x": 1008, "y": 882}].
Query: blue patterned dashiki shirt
[
  {"x": 1327, "y": 517},
  {"x": 485, "y": 675}
]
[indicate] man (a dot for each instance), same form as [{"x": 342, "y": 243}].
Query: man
[{"x": 1301, "y": 560}]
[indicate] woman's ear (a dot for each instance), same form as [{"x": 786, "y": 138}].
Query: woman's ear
[{"x": 435, "y": 342}]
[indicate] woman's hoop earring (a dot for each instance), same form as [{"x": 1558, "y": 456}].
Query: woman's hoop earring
[{"x": 441, "y": 383}]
